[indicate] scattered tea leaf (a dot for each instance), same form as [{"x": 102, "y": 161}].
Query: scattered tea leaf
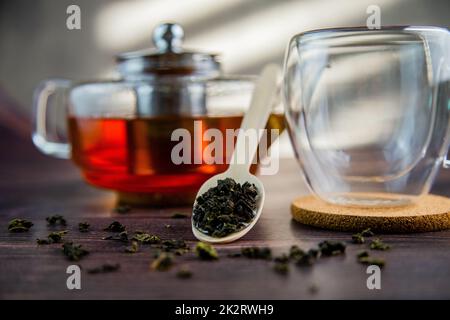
[
  {"x": 331, "y": 248},
  {"x": 178, "y": 215},
  {"x": 313, "y": 253},
  {"x": 122, "y": 236},
  {"x": 57, "y": 236},
  {"x": 74, "y": 252},
  {"x": 115, "y": 226},
  {"x": 205, "y": 251},
  {"x": 358, "y": 238},
  {"x": 146, "y": 238},
  {"x": 372, "y": 261},
  {"x": 367, "y": 233},
  {"x": 133, "y": 248},
  {"x": 308, "y": 258},
  {"x": 19, "y": 225},
  {"x": 378, "y": 244},
  {"x": 364, "y": 258},
  {"x": 295, "y": 253},
  {"x": 83, "y": 226},
  {"x": 281, "y": 268},
  {"x": 257, "y": 253},
  {"x": 53, "y": 237},
  {"x": 56, "y": 219},
  {"x": 163, "y": 262},
  {"x": 105, "y": 268},
  {"x": 225, "y": 209}
]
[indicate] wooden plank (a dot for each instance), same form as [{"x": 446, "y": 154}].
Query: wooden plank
[{"x": 33, "y": 186}]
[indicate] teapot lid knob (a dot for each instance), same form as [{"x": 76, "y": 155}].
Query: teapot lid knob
[
  {"x": 169, "y": 58},
  {"x": 168, "y": 37}
]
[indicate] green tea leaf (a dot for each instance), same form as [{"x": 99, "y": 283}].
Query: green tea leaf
[
  {"x": 83, "y": 226},
  {"x": 257, "y": 253},
  {"x": 115, "y": 226},
  {"x": 378, "y": 244},
  {"x": 205, "y": 251},
  {"x": 74, "y": 252},
  {"x": 19, "y": 225},
  {"x": 146, "y": 238},
  {"x": 331, "y": 248},
  {"x": 163, "y": 262},
  {"x": 133, "y": 248},
  {"x": 56, "y": 219}
]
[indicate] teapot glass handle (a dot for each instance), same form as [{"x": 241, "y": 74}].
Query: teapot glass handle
[
  {"x": 46, "y": 133},
  {"x": 446, "y": 163}
]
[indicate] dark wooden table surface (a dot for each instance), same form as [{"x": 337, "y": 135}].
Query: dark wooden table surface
[{"x": 33, "y": 186}]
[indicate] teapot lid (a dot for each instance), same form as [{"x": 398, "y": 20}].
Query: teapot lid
[{"x": 169, "y": 58}]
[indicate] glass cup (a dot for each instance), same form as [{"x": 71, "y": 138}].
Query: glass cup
[{"x": 368, "y": 111}]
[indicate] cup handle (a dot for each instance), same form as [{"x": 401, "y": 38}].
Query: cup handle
[{"x": 42, "y": 130}]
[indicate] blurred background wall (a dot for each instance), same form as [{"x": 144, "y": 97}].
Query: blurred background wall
[{"x": 35, "y": 43}]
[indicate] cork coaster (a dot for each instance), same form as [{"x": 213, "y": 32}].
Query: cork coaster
[{"x": 430, "y": 213}]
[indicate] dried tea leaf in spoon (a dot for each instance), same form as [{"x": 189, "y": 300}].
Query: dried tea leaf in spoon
[{"x": 225, "y": 209}]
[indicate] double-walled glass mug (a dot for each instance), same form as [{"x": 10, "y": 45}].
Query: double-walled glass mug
[
  {"x": 368, "y": 111},
  {"x": 120, "y": 133}
]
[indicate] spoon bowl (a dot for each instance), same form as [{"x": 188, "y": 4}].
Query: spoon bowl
[
  {"x": 211, "y": 183},
  {"x": 255, "y": 119}
]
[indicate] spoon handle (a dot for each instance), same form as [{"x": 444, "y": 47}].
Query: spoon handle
[{"x": 255, "y": 120}]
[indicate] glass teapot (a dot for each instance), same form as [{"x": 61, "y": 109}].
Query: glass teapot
[{"x": 123, "y": 134}]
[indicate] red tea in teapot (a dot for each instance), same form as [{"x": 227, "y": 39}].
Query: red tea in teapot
[{"x": 133, "y": 156}]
